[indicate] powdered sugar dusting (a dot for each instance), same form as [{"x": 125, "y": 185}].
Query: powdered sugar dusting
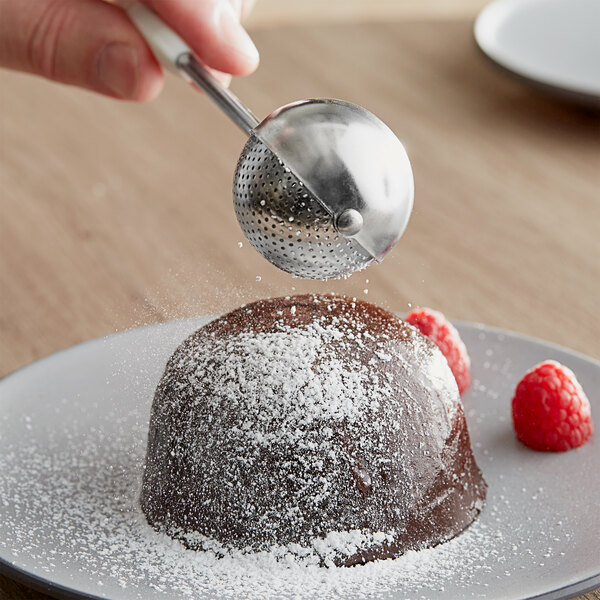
[
  {"x": 286, "y": 422},
  {"x": 83, "y": 487},
  {"x": 72, "y": 439},
  {"x": 276, "y": 371}
]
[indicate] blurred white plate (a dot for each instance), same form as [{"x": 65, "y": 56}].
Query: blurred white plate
[
  {"x": 72, "y": 440},
  {"x": 554, "y": 43}
]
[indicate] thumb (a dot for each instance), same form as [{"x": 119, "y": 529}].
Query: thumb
[{"x": 88, "y": 43}]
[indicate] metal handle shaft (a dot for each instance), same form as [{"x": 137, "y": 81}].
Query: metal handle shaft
[
  {"x": 177, "y": 56},
  {"x": 195, "y": 72}
]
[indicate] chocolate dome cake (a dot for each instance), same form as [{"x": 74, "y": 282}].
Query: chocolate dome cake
[{"x": 319, "y": 424}]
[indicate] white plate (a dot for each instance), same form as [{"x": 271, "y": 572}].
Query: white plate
[
  {"x": 72, "y": 438},
  {"x": 555, "y": 43}
]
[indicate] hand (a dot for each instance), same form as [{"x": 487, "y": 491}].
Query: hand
[{"x": 93, "y": 44}]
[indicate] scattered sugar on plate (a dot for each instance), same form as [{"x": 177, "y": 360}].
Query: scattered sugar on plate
[
  {"x": 83, "y": 487},
  {"x": 69, "y": 512}
]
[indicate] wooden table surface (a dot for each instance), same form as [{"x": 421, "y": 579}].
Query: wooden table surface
[{"x": 115, "y": 215}]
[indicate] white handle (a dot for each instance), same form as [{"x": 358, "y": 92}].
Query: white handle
[
  {"x": 177, "y": 56},
  {"x": 167, "y": 46}
]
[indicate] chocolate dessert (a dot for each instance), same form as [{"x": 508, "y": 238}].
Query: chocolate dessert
[{"x": 322, "y": 424}]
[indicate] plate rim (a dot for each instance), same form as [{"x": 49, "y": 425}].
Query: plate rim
[
  {"x": 483, "y": 21},
  {"x": 40, "y": 584},
  {"x": 61, "y": 591}
]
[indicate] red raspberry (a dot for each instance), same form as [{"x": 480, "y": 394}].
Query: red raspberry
[
  {"x": 550, "y": 410},
  {"x": 434, "y": 325}
]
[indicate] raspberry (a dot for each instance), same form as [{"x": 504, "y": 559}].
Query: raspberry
[
  {"x": 550, "y": 409},
  {"x": 434, "y": 325}
]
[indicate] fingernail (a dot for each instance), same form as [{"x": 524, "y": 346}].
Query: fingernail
[
  {"x": 234, "y": 34},
  {"x": 118, "y": 69}
]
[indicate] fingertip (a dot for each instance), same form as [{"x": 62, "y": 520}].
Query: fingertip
[
  {"x": 232, "y": 46},
  {"x": 151, "y": 79},
  {"x": 223, "y": 78},
  {"x": 150, "y": 88},
  {"x": 243, "y": 65},
  {"x": 214, "y": 32},
  {"x": 128, "y": 71}
]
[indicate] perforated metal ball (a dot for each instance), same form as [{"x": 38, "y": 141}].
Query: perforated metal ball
[{"x": 286, "y": 223}]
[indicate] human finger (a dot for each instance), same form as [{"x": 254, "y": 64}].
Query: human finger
[
  {"x": 213, "y": 31},
  {"x": 88, "y": 43}
]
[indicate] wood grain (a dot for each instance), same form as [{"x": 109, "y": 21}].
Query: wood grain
[
  {"x": 272, "y": 13},
  {"x": 114, "y": 215}
]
